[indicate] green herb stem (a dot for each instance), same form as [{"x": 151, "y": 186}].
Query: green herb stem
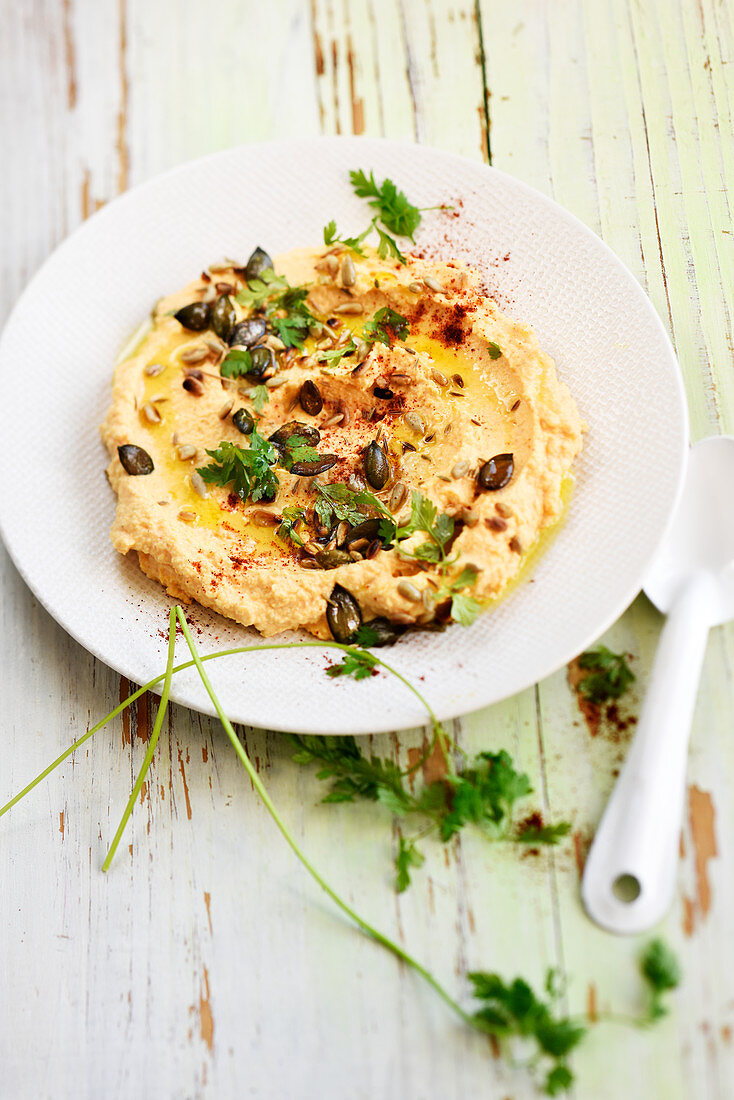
[
  {"x": 236, "y": 650},
  {"x": 162, "y": 709},
  {"x": 288, "y": 836}
]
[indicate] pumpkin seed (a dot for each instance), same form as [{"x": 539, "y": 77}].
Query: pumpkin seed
[
  {"x": 376, "y": 466},
  {"x": 247, "y": 333},
  {"x": 134, "y": 460},
  {"x": 258, "y": 262},
  {"x": 409, "y": 591},
  {"x": 310, "y": 399},
  {"x": 343, "y": 615},
  {"x": 223, "y": 317},
  {"x": 496, "y": 473},
  {"x": 331, "y": 558},
  {"x": 244, "y": 421},
  {"x": 317, "y": 466},
  {"x": 311, "y": 434},
  {"x": 195, "y": 316},
  {"x": 199, "y": 485}
]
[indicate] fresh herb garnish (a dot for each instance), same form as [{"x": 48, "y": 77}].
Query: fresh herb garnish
[
  {"x": 396, "y": 212},
  {"x": 284, "y": 306},
  {"x": 296, "y": 448},
  {"x": 360, "y": 665},
  {"x": 259, "y": 395},
  {"x": 609, "y": 675},
  {"x": 247, "y": 469},
  {"x": 236, "y": 364},
  {"x": 483, "y": 793},
  {"x": 338, "y": 502},
  {"x": 508, "y": 1009},
  {"x": 331, "y": 236},
  {"x": 290, "y": 519},
  {"x": 661, "y": 970},
  {"x": 512, "y": 1010},
  {"x": 335, "y": 355},
  {"x": 386, "y": 326}
]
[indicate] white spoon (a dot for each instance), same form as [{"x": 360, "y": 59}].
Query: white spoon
[{"x": 630, "y": 872}]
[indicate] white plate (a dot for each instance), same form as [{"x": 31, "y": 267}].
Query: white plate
[{"x": 544, "y": 267}]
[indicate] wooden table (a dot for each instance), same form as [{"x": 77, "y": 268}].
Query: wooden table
[{"x": 206, "y": 964}]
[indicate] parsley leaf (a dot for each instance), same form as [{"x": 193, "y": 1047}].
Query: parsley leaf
[
  {"x": 335, "y": 355},
  {"x": 388, "y": 246},
  {"x": 609, "y": 676},
  {"x": 357, "y": 664},
  {"x": 236, "y": 363},
  {"x": 259, "y": 395},
  {"x": 259, "y": 291},
  {"x": 661, "y": 970},
  {"x": 339, "y": 502},
  {"x": 331, "y": 236},
  {"x": 247, "y": 470},
  {"x": 513, "y": 1009},
  {"x": 407, "y": 856},
  {"x": 395, "y": 211}
]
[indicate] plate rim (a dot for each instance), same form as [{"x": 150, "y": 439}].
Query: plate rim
[{"x": 447, "y": 712}]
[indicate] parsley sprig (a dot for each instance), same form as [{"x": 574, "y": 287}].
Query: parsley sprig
[
  {"x": 609, "y": 676},
  {"x": 247, "y": 469},
  {"x": 397, "y": 214},
  {"x": 483, "y": 793},
  {"x": 385, "y": 327}
]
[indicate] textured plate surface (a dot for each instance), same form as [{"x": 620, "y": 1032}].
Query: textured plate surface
[{"x": 543, "y": 266}]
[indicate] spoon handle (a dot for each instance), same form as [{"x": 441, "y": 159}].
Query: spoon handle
[{"x": 630, "y": 872}]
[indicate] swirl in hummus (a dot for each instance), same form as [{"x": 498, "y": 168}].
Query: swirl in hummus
[{"x": 443, "y": 415}]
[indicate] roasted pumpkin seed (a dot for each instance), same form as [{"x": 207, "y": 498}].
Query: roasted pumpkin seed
[{"x": 134, "y": 460}]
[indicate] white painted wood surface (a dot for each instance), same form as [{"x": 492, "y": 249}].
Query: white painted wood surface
[{"x": 206, "y": 964}]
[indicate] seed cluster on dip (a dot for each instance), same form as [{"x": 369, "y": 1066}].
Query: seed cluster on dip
[{"x": 339, "y": 442}]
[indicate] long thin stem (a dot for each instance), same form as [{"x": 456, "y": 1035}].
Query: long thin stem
[
  {"x": 162, "y": 709},
  {"x": 190, "y": 664},
  {"x": 258, "y": 785}
]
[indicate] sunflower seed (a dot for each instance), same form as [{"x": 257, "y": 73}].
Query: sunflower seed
[
  {"x": 194, "y": 354},
  {"x": 193, "y": 386},
  {"x": 199, "y": 485},
  {"x": 329, "y": 264},
  {"x": 336, "y": 419},
  {"x": 398, "y": 496},
  {"x": 409, "y": 591},
  {"x": 515, "y": 545},
  {"x": 363, "y": 350},
  {"x": 273, "y": 383},
  {"x": 349, "y": 275},
  {"x": 415, "y": 287},
  {"x": 226, "y": 408},
  {"x": 503, "y": 510},
  {"x": 429, "y": 600},
  {"x": 461, "y": 469},
  {"x": 186, "y": 451},
  {"x": 356, "y": 483},
  {"x": 150, "y": 412},
  {"x": 308, "y": 563},
  {"x": 433, "y": 284},
  {"x": 416, "y": 422},
  {"x": 261, "y": 518},
  {"x": 349, "y": 307},
  {"x": 457, "y": 380},
  {"x": 186, "y": 516},
  {"x": 158, "y": 397},
  {"x": 153, "y": 369}
]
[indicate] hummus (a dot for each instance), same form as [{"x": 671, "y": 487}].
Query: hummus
[{"x": 444, "y": 410}]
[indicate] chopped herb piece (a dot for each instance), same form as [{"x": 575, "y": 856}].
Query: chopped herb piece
[
  {"x": 335, "y": 355},
  {"x": 284, "y": 306},
  {"x": 290, "y": 519},
  {"x": 386, "y": 326},
  {"x": 331, "y": 236},
  {"x": 609, "y": 675},
  {"x": 236, "y": 364},
  {"x": 495, "y": 351},
  {"x": 259, "y": 395},
  {"x": 246, "y": 469},
  {"x": 359, "y": 665},
  {"x": 661, "y": 970},
  {"x": 407, "y": 856},
  {"x": 339, "y": 502}
]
